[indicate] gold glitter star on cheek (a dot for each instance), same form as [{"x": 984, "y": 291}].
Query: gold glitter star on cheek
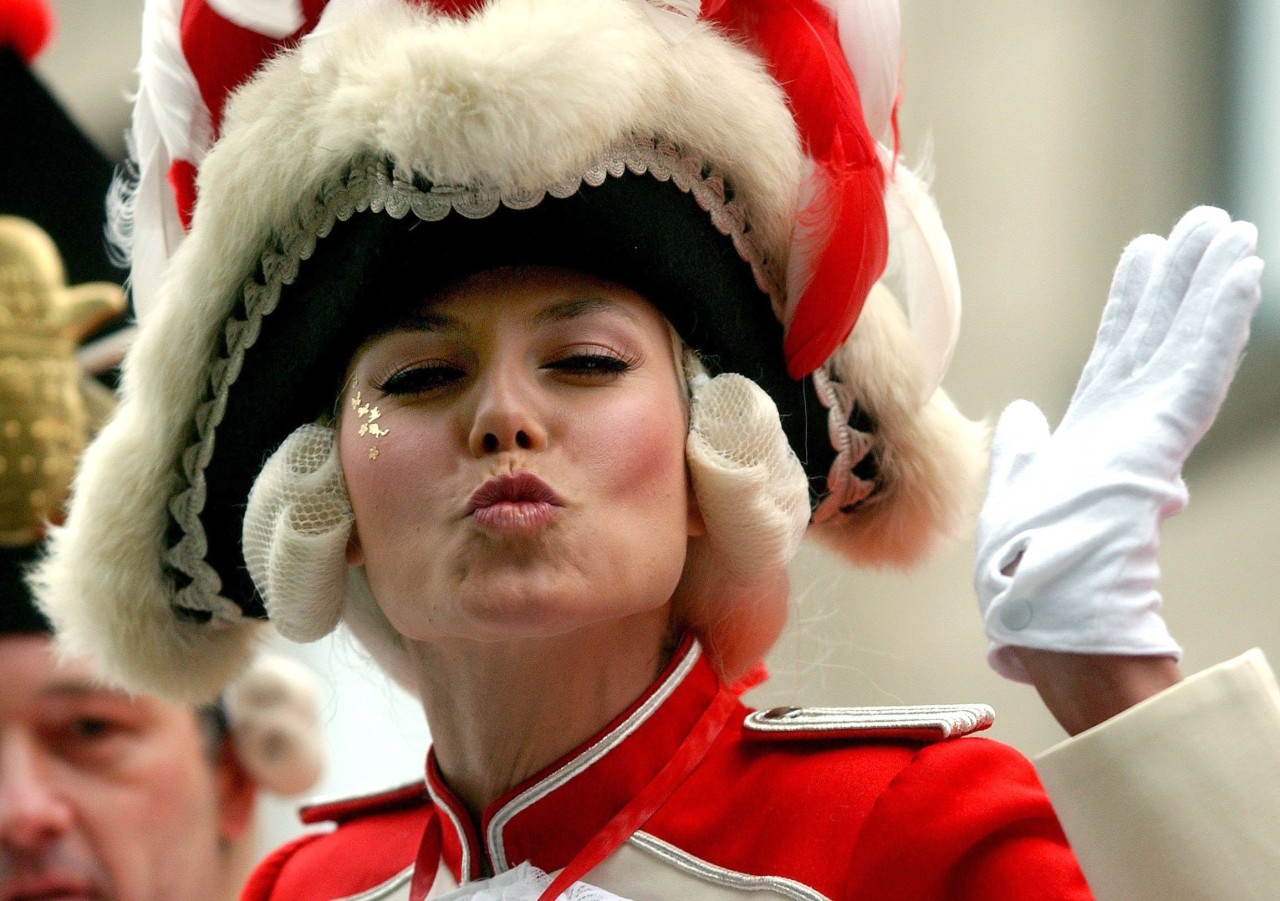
[{"x": 370, "y": 413}]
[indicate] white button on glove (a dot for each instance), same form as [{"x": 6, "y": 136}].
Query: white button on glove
[{"x": 1078, "y": 511}]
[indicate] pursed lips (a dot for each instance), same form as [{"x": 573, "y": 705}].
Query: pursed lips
[
  {"x": 520, "y": 487},
  {"x": 520, "y": 502}
]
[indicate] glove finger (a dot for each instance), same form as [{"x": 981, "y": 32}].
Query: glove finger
[
  {"x": 1229, "y": 248},
  {"x": 1127, "y": 286},
  {"x": 1168, "y": 285},
  {"x": 1021, "y": 431},
  {"x": 1238, "y": 300},
  {"x": 1214, "y": 359}
]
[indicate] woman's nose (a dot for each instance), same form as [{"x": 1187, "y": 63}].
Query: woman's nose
[
  {"x": 33, "y": 812},
  {"x": 508, "y": 415}
]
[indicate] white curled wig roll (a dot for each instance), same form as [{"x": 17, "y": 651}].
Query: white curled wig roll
[
  {"x": 296, "y": 530},
  {"x": 736, "y": 178},
  {"x": 753, "y": 495}
]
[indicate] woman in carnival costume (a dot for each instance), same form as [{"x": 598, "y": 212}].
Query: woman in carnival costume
[{"x": 557, "y": 326}]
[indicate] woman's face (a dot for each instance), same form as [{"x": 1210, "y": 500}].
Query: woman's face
[{"x": 514, "y": 454}]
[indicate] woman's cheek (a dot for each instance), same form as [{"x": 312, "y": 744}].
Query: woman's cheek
[
  {"x": 645, "y": 448},
  {"x": 370, "y": 466}
]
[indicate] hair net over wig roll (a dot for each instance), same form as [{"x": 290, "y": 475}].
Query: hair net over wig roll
[
  {"x": 723, "y": 164},
  {"x": 296, "y": 530}
]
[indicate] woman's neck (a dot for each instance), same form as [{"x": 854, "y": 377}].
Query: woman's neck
[{"x": 501, "y": 711}]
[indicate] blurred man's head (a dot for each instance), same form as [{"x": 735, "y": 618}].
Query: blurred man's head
[
  {"x": 103, "y": 795},
  {"x": 107, "y": 795}
]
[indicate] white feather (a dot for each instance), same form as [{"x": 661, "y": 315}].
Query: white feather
[
  {"x": 121, "y": 203},
  {"x": 167, "y": 89},
  {"x": 922, "y": 269},
  {"x": 156, "y": 229},
  {"x": 170, "y": 122},
  {"x": 274, "y": 18},
  {"x": 871, "y": 37}
]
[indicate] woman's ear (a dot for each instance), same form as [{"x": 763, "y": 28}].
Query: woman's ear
[{"x": 237, "y": 791}]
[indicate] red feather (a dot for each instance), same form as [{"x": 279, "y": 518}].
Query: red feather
[
  {"x": 25, "y": 25},
  {"x": 845, "y": 223},
  {"x": 182, "y": 181}
]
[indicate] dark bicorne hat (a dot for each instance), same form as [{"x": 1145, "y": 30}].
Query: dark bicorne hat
[
  {"x": 727, "y": 160},
  {"x": 52, "y": 184}
]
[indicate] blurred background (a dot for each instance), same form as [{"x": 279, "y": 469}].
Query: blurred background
[{"x": 1057, "y": 131}]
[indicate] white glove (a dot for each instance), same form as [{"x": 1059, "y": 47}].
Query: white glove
[{"x": 1079, "y": 511}]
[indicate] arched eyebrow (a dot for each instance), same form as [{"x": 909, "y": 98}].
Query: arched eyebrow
[
  {"x": 575, "y": 307},
  {"x": 423, "y": 321},
  {"x": 560, "y": 311}
]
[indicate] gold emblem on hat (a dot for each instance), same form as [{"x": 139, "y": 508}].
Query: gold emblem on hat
[{"x": 48, "y": 407}]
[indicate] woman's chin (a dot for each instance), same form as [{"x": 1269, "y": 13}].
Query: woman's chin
[{"x": 521, "y": 616}]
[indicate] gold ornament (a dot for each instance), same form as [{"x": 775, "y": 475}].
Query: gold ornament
[
  {"x": 48, "y": 406},
  {"x": 369, "y": 427}
]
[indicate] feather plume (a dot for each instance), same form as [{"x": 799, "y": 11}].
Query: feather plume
[
  {"x": 169, "y": 123},
  {"x": 871, "y": 37},
  {"x": 922, "y": 270},
  {"x": 274, "y": 18},
  {"x": 121, "y": 203},
  {"x": 842, "y": 229}
]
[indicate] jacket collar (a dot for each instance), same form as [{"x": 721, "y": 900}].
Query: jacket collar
[{"x": 546, "y": 819}]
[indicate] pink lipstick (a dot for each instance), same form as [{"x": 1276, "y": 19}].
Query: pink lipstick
[{"x": 521, "y": 502}]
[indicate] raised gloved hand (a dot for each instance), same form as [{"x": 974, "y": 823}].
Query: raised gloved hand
[{"x": 1068, "y": 536}]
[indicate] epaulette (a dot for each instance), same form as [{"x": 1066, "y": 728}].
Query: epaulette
[
  {"x": 341, "y": 810},
  {"x": 926, "y": 723}
]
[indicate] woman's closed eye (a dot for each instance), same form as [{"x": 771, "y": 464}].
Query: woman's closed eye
[
  {"x": 437, "y": 375},
  {"x": 420, "y": 379},
  {"x": 592, "y": 364}
]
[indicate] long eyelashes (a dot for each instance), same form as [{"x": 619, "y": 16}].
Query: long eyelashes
[
  {"x": 419, "y": 379},
  {"x": 428, "y": 377},
  {"x": 592, "y": 364}
]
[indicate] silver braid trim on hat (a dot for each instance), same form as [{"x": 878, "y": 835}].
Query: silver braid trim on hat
[
  {"x": 374, "y": 185},
  {"x": 845, "y": 490}
]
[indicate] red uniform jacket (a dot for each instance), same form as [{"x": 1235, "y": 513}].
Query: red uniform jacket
[{"x": 799, "y": 815}]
